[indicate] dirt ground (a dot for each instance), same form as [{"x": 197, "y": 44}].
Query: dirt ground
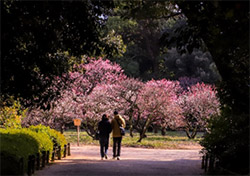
[{"x": 86, "y": 160}]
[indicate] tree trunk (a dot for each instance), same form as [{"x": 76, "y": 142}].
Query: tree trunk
[
  {"x": 140, "y": 138},
  {"x": 131, "y": 131},
  {"x": 155, "y": 129},
  {"x": 152, "y": 46},
  {"x": 193, "y": 134},
  {"x": 62, "y": 130},
  {"x": 145, "y": 127},
  {"x": 163, "y": 131},
  {"x": 187, "y": 132},
  {"x": 131, "y": 127}
]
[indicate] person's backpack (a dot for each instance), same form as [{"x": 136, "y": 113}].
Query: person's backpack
[{"x": 122, "y": 130}]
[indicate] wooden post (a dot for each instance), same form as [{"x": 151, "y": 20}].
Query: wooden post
[
  {"x": 53, "y": 153},
  {"x": 69, "y": 149},
  {"x": 43, "y": 158},
  {"x": 59, "y": 152},
  {"x": 206, "y": 162},
  {"x": 47, "y": 157},
  {"x": 21, "y": 166},
  {"x": 29, "y": 165},
  {"x": 77, "y": 123},
  {"x": 217, "y": 164},
  {"x": 33, "y": 164},
  {"x": 37, "y": 161},
  {"x": 211, "y": 163},
  {"x": 65, "y": 151},
  {"x": 202, "y": 162},
  {"x": 78, "y": 133}
]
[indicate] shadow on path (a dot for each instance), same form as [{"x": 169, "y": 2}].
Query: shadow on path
[{"x": 86, "y": 161}]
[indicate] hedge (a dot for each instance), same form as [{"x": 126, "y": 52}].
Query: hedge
[
  {"x": 20, "y": 143},
  {"x": 55, "y": 136}
]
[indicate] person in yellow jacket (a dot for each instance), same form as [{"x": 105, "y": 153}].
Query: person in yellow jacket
[{"x": 116, "y": 122}]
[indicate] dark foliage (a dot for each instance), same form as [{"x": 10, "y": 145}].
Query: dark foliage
[
  {"x": 33, "y": 35},
  {"x": 224, "y": 29},
  {"x": 228, "y": 141}
]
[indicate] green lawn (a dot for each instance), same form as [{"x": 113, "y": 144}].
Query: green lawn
[{"x": 172, "y": 140}]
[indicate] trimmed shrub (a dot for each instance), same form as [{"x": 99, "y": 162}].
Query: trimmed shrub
[
  {"x": 20, "y": 143},
  {"x": 11, "y": 164},
  {"x": 17, "y": 144},
  {"x": 56, "y": 137}
]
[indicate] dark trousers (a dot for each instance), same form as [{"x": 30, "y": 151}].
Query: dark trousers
[
  {"x": 104, "y": 145},
  {"x": 117, "y": 146}
]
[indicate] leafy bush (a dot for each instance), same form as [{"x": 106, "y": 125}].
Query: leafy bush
[
  {"x": 20, "y": 143},
  {"x": 56, "y": 137},
  {"x": 11, "y": 113},
  {"x": 228, "y": 141},
  {"x": 60, "y": 138}
]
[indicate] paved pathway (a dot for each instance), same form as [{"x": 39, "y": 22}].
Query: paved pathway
[{"x": 134, "y": 161}]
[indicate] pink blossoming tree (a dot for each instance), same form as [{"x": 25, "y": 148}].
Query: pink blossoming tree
[
  {"x": 125, "y": 93},
  {"x": 61, "y": 113},
  {"x": 100, "y": 87},
  {"x": 90, "y": 90},
  {"x": 199, "y": 103},
  {"x": 77, "y": 98},
  {"x": 157, "y": 103},
  {"x": 99, "y": 102},
  {"x": 87, "y": 76}
]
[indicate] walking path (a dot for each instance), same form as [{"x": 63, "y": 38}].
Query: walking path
[{"x": 134, "y": 161}]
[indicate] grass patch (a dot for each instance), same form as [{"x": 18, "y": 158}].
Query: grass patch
[{"x": 172, "y": 140}]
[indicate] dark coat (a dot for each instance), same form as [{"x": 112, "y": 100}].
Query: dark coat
[{"x": 104, "y": 128}]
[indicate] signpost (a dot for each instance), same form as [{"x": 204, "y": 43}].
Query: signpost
[{"x": 77, "y": 123}]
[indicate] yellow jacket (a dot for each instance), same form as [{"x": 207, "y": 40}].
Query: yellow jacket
[{"x": 115, "y": 126}]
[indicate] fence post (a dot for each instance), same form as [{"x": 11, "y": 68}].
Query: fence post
[
  {"x": 33, "y": 160},
  {"x": 203, "y": 162},
  {"x": 69, "y": 149},
  {"x": 21, "y": 166},
  {"x": 65, "y": 151},
  {"x": 59, "y": 152},
  {"x": 53, "y": 156},
  {"x": 206, "y": 162},
  {"x": 47, "y": 157},
  {"x": 217, "y": 164},
  {"x": 29, "y": 165},
  {"x": 43, "y": 158},
  {"x": 211, "y": 163},
  {"x": 53, "y": 153},
  {"x": 37, "y": 161}
]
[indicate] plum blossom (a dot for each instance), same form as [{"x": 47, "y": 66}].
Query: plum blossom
[{"x": 199, "y": 103}]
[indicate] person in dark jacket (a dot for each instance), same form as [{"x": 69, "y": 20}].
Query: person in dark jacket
[{"x": 105, "y": 129}]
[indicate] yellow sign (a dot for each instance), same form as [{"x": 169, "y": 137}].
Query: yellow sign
[{"x": 77, "y": 122}]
